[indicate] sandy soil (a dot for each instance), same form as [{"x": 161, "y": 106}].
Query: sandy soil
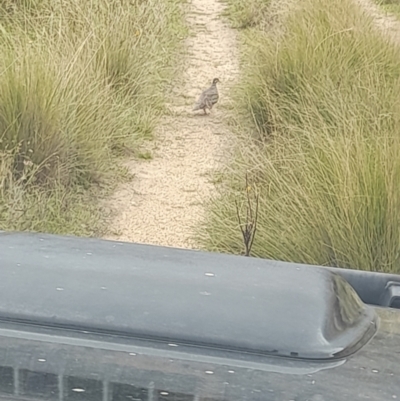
[{"x": 166, "y": 199}]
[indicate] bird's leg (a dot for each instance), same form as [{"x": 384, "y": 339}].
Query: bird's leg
[{"x": 205, "y": 111}]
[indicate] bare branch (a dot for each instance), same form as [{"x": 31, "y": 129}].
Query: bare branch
[{"x": 249, "y": 228}]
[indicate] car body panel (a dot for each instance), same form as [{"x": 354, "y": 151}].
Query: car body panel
[
  {"x": 38, "y": 356},
  {"x": 235, "y": 303}
]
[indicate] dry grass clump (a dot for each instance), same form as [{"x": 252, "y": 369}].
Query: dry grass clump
[
  {"x": 246, "y": 14},
  {"x": 391, "y": 6},
  {"x": 79, "y": 82},
  {"x": 324, "y": 152}
]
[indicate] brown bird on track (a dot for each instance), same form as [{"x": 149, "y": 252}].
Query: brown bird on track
[{"x": 208, "y": 98}]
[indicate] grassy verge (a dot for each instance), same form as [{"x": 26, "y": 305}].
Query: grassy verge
[
  {"x": 80, "y": 82},
  {"x": 324, "y": 104}
]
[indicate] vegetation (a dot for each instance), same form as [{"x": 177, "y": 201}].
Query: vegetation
[
  {"x": 391, "y": 6},
  {"x": 80, "y": 82},
  {"x": 245, "y": 14},
  {"x": 323, "y": 97}
]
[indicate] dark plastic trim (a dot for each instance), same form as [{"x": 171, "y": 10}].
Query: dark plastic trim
[{"x": 374, "y": 288}]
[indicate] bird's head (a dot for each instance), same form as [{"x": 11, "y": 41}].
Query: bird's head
[{"x": 215, "y": 81}]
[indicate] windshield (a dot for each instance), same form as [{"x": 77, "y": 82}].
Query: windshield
[{"x": 61, "y": 365}]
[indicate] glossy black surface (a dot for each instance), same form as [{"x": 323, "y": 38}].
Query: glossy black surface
[{"x": 209, "y": 303}]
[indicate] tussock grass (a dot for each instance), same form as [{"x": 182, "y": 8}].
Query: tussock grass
[
  {"x": 79, "y": 83},
  {"x": 246, "y": 14},
  {"x": 391, "y": 6},
  {"x": 324, "y": 102}
]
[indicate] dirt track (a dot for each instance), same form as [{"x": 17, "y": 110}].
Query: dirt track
[{"x": 166, "y": 198}]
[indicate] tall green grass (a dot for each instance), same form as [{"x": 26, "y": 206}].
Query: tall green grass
[
  {"x": 79, "y": 83},
  {"x": 324, "y": 102}
]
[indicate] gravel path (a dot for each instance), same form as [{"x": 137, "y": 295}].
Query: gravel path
[{"x": 165, "y": 200}]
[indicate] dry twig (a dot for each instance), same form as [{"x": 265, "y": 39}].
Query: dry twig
[{"x": 249, "y": 228}]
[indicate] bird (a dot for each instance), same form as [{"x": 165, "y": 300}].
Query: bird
[{"x": 208, "y": 98}]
